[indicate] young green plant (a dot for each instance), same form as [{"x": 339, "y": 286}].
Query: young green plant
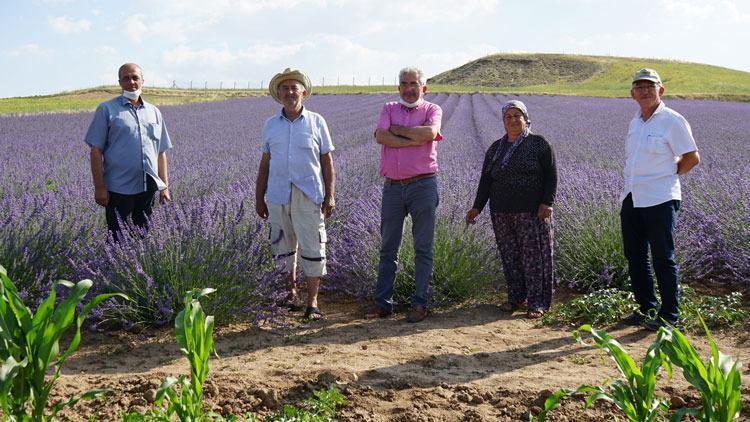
[
  {"x": 30, "y": 344},
  {"x": 718, "y": 380},
  {"x": 194, "y": 332},
  {"x": 634, "y": 394}
]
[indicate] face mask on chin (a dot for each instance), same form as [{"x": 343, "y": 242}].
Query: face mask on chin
[
  {"x": 131, "y": 95},
  {"x": 408, "y": 104}
]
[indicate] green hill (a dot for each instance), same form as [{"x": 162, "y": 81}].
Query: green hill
[
  {"x": 601, "y": 76},
  {"x": 551, "y": 74}
]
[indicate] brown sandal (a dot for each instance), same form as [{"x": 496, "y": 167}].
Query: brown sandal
[
  {"x": 512, "y": 307},
  {"x": 535, "y": 314}
]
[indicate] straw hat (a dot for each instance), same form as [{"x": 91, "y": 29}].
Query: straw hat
[{"x": 295, "y": 74}]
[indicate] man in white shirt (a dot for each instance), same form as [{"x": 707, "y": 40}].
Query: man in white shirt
[
  {"x": 660, "y": 148},
  {"x": 295, "y": 185}
]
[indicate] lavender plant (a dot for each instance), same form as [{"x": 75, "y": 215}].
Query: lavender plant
[{"x": 50, "y": 227}]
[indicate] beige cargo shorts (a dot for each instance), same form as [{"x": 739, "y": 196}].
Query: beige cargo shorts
[{"x": 298, "y": 226}]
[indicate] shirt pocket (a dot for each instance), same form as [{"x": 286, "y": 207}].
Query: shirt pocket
[
  {"x": 306, "y": 141},
  {"x": 657, "y": 145},
  {"x": 154, "y": 131}
]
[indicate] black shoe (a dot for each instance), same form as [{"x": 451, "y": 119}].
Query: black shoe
[
  {"x": 656, "y": 323},
  {"x": 636, "y": 318}
]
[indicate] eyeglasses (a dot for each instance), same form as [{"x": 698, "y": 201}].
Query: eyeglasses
[{"x": 404, "y": 84}]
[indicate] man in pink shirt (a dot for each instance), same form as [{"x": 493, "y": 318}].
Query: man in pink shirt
[{"x": 407, "y": 132}]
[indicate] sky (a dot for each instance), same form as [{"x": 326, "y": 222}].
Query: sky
[{"x": 51, "y": 46}]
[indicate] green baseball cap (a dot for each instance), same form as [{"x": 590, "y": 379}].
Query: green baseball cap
[{"x": 647, "y": 75}]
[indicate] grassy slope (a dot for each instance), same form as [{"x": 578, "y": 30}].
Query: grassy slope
[
  {"x": 556, "y": 74},
  {"x": 602, "y": 76},
  {"x": 88, "y": 99}
]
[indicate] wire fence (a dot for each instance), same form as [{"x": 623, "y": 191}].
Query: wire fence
[{"x": 263, "y": 83}]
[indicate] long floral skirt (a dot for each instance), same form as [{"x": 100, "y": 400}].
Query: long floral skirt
[{"x": 526, "y": 246}]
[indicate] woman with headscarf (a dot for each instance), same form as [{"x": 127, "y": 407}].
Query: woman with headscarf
[{"x": 519, "y": 178}]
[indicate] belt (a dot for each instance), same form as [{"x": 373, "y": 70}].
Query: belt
[{"x": 409, "y": 180}]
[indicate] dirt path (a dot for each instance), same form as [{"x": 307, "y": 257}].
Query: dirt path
[{"x": 466, "y": 364}]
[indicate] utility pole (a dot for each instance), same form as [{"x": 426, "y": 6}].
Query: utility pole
[{"x": 205, "y": 85}]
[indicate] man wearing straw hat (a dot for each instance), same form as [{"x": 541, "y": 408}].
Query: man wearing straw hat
[
  {"x": 295, "y": 185},
  {"x": 660, "y": 148}
]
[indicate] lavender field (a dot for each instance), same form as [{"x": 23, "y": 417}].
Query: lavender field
[{"x": 209, "y": 235}]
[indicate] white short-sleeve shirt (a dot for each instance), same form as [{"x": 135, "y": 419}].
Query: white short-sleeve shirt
[
  {"x": 653, "y": 149},
  {"x": 295, "y": 148}
]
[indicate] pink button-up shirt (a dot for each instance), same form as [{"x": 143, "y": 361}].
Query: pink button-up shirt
[{"x": 402, "y": 163}]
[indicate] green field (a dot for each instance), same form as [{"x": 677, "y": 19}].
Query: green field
[{"x": 546, "y": 74}]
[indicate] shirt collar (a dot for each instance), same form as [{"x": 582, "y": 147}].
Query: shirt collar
[
  {"x": 124, "y": 101},
  {"x": 302, "y": 114},
  {"x": 659, "y": 108}
]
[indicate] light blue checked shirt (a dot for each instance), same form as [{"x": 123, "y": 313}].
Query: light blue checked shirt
[
  {"x": 295, "y": 148},
  {"x": 131, "y": 139}
]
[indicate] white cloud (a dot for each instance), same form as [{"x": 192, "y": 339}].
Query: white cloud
[
  {"x": 702, "y": 10},
  {"x": 257, "y": 54},
  {"x": 29, "y": 50},
  {"x": 689, "y": 8},
  {"x": 105, "y": 50},
  {"x": 343, "y": 49},
  {"x": 136, "y": 28},
  {"x": 448, "y": 11},
  {"x": 184, "y": 55},
  {"x": 66, "y": 25}
]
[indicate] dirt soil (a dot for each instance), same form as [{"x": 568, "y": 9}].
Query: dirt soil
[{"x": 468, "y": 364}]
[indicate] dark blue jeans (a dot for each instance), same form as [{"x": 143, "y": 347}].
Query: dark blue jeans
[
  {"x": 419, "y": 200},
  {"x": 652, "y": 228}
]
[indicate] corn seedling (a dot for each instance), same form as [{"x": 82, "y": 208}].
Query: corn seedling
[
  {"x": 30, "y": 344},
  {"x": 634, "y": 394},
  {"x": 718, "y": 380},
  {"x": 194, "y": 332}
]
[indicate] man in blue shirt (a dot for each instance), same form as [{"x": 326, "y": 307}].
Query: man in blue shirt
[
  {"x": 295, "y": 185},
  {"x": 129, "y": 141}
]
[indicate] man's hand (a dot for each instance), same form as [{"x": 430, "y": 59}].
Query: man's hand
[
  {"x": 544, "y": 212},
  {"x": 101, "y": 196},
  {"x": 471, "y": 216},
  {"x": 261, "y": 209},
  {"x": 164, "y": 196},
  {"x": 328, "y": 207}
]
